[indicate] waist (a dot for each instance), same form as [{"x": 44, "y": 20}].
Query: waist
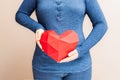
[{"x": 44, "y": 63}]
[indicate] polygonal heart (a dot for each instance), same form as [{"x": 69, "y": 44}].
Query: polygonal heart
[{"x": 58, "y": 46}]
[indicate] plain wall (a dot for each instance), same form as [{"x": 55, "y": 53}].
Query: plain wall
[{"x": 17, "y": 44}]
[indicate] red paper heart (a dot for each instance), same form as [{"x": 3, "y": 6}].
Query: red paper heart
[{"x": 58, "y": 46}]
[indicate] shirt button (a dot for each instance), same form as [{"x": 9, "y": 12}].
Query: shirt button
[
  {"x": 59, "y": 8},
  {"x": 58, "y": 15},
  {"x": 58, "y": 19},
  {"x": 58, "y": 2}
]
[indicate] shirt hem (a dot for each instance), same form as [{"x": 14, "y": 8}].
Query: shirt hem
[{"x": 74, "y": 71}]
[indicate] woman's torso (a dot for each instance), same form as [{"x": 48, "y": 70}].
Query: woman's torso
[{"x": 61, "y": 15}]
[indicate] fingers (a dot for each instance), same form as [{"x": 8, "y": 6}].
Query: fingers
[
  {"x": 70, "y": 58},
  {"x": 72, "y": 52},
  {"x": 39, "y": 45}
]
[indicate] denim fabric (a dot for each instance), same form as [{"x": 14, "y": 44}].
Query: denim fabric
[
  {"x": 62, "y": 15},
  {"x": 84, "y": 75}
]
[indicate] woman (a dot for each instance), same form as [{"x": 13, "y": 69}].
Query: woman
[{"x": 62, "y": 15}]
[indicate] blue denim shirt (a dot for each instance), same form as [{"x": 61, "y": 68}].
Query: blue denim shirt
[{"x": 62, "y": 15}]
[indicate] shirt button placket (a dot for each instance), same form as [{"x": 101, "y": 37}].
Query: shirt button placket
[{"x": 59, "y": 10}]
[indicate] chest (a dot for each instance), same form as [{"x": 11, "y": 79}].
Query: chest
[{"x": 68, "y": 6}]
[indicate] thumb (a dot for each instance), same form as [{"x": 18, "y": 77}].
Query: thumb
[
  {"x": 40, "y": 45},
  {"x": 72, "y": 52}
]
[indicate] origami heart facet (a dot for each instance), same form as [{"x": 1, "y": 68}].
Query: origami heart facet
[{"x": 58, "y": 46}]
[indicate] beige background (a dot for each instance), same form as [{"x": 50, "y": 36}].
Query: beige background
[{"x": 17, "y": 44}]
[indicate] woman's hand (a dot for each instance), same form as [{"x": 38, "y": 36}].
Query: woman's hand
[
  {"x": 38, "y": 37},
  {"x": 71, "y": 56}
]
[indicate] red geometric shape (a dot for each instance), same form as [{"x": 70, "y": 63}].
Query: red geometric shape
[{"x": 58, "y": 46}]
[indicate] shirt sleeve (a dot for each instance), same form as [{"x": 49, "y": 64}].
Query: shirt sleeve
[
  {"x": 99, "y": 24},
  {"x": 23, "y": 15}
]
